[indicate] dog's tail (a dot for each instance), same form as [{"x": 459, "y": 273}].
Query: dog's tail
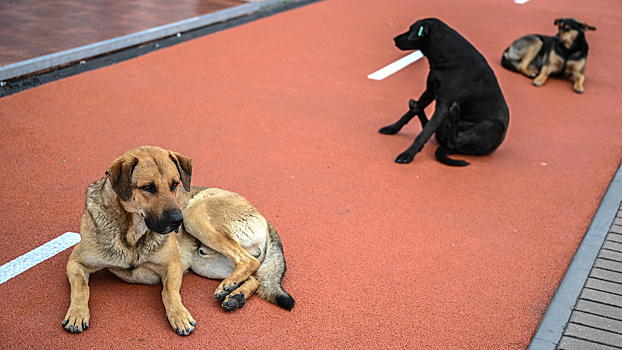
[
  {"x": 271, "y": 273},
  {"x": 507, "y": 64},
  {"x": 441, "y": 154}
]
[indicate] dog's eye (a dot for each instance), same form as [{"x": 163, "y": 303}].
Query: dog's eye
[
  {"x": 149, "y": 188},
  {"x": 174, "y": 185}
]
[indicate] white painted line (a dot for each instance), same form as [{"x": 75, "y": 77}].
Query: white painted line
[
  {"x": 395, "y": 66},
  {"x": 520, "y": 1},
  {"x": 38, "y": 255}
]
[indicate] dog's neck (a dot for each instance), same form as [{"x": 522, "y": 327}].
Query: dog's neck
[
  {"x": 578, "y": 48},
  {"x": 136, "y": 230}
]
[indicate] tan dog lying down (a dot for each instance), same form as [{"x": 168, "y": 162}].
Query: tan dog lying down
[{"x": 144, "y": 228}]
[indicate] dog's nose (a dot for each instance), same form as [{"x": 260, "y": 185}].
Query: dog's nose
[{"x": 176, "y": 219}]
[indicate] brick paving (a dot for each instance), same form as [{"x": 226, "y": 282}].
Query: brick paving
[{"x": 596, "y": 322}]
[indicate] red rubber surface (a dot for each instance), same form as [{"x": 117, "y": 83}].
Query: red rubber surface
[{"x": 380, "y": 255}]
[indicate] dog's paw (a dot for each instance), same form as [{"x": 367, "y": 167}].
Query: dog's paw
[
  {"x": 76, "y": 320},
  {"x": 389, "y": 129},
  {"x": 539, "y": 81},
  {"x": 181, "y": 321},
  {"x": 405, "y": 158},
  {"x": 222, "y": 291},
  {"x": 234, "y": 301}
]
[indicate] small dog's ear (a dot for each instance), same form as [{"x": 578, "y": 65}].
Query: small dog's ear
[
  {"x": 184, "y": 167},
  {"x": 420, "y": 31},
  {"x": 557, "y": 21},
  {"x": 120, "y": 175},
  {"x": 585, "y": 27}
]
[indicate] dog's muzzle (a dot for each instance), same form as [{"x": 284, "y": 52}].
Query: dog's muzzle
[{"x": 169, "y": 221}]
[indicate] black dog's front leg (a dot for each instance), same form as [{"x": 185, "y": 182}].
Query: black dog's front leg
[
  {"x": 415, "y": 108},
  {"x": 440, "y": 113},
  {"x": 397, "y": 126}
]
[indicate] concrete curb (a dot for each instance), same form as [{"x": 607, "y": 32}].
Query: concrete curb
[
  {"x": 58, "y": 59},
  {"x": 557, "y": 315}
]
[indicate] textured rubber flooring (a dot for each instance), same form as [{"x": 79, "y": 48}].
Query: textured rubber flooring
[{"x": 380, "y": 255}]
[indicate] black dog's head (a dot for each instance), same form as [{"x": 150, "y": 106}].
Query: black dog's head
[
  {"x": 418, "y": 37},
  {"x": 570, "y": 31}
]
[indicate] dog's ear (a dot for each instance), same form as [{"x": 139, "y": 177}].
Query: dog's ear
[
  {"x": 120, "y": 175},
  {"x": 184, "y": 167},
  {"x": 557, "y": 21},
  {"x": 419, "y": 31},
  {"x": 585, "y": 27}
]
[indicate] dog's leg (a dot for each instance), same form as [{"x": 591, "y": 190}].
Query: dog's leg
[
  {"x": 227, "y": 245},
  {"x": 472, "y": 138},
  {"x": 577, "y": 70},
  {"x": 397, "y": 126},
  {"x": 172, "y": 273},
  {"x": 528, "y": 55},
  {"x": 78, "y": 316},
  {"x": 237, "y": 298},
  {"x": 555, "y": 65},
  {"x": 578, "y": 82},
  {"x": 415, "y": 108},
  {"x": 440, "y": 113},
  {"x": 176, "y": 313},
  {"x": 245, "y": 266},
  {"x": 418, "y": 107}
]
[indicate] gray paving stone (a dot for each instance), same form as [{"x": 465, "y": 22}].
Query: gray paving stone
[
  {"x": 601, "y": 297},
  {"x": 599, "y": 309},
  {"x": 610, "y": 255},
  {"x": 592, "y": 334},
  {"x": 606, "y": 275},
  {"x": 615, "y": 234},
  {"x": 604, "y": 286},
  {"x": 567, "y": 343},
  {"x": 609, "y": 245},
  {"x": 617, "y": 221},
  {"x": 598, "y": 322},
  {"x": 608, "y": 265}
]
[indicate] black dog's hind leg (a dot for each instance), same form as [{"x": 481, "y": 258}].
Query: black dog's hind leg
[
  {"x": 397, "y": 126},
  {"x": 446, "y": 136},
  {"x": 472, "y": 139}
]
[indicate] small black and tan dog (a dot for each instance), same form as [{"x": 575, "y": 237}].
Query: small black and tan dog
[
  {"x": 470, "y": 116},
  {"x": 560, "y": 56}
]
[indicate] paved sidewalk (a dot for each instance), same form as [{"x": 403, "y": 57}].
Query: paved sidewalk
[
  {"x": 587, "y": 306},
  {"x": 26, "y": 52},
  {"x": 596, "y": 322}
]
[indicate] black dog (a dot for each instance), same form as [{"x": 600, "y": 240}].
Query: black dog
[
  {"x": 560, "y": 56},
  {"x": 470, "y": 116}
]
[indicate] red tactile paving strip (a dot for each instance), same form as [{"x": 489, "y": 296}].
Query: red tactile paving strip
[
  {"x": 32, "y": 28},
  {"x": 380, "y": 255}
]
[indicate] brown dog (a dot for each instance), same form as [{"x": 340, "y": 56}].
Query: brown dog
[
  {"x": 141, "y": 226},
  {"x": 541, "y": 56}
]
